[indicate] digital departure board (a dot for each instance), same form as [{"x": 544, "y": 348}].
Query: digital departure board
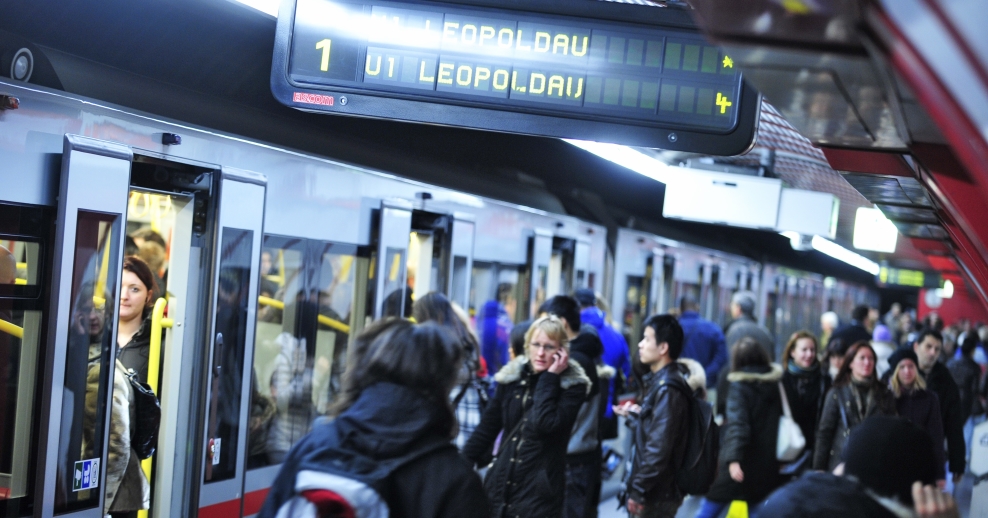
[{"x": 517, "y": 71}]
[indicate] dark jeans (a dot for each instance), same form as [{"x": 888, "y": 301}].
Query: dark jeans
[{"x": 582, "y": 486}]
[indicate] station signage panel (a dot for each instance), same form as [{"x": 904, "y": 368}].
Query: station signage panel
[{"x": 552, "y": 74}]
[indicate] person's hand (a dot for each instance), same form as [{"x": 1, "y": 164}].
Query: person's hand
[
  {"x": 736, "y": 473},
  {"x": 930, "y": 502},
  {"x": 560, "y": 361},
  {"x": 634, "y": 508},
  {"x": 941, "y": 484},
  {"x": 628, "y": 407}
]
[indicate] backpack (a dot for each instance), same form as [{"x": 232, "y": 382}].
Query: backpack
[
  {"x": 699, "y": 468},
  {"x": 339, "y": 493},
  {"x": 147, "y": 417}
]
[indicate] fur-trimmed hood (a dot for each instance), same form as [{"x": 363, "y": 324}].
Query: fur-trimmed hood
[
  {"x": 573, "y": 375},
  {"x": 772, "y": 376},
  {"x": 697, "y": 377},
  {"x": 605, "y": 371}
]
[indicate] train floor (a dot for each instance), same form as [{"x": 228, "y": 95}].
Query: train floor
[{"x": 608, "y": 502}]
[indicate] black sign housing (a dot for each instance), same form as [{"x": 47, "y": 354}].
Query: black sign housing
[{"x": 640, "y": 76}]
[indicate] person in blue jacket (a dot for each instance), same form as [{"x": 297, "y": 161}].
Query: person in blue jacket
[
  {"x": 615, "y": 353},
  {"x": 704, "y": 341}
]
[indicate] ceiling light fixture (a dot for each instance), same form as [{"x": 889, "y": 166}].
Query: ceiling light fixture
[
  {"x": 627, "y": 157},
  {"x": 840, "y": 253}
]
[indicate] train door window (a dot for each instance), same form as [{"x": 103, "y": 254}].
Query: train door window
[
  {"x": 668, "y": 283},
  {"x": 496, "y": 289},
  {"x": 712, "y": 302},
  {"x": 230, "y": 330},
  {"x": 561, "y": 274},
  {"x": 461, "y": 250},
  {"x": 21, "y": 311},
  {"x": 92, "y": 313},
  {"x": 428, "y": 264}
]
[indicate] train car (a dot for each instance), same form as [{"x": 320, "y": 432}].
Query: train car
[{"x": 273, "y": 259}]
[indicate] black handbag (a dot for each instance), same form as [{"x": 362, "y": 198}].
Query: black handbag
[{"x": 147, "y": 417}]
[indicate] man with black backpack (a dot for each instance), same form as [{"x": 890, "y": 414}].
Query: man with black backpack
[{"x": 668, "y": 460}]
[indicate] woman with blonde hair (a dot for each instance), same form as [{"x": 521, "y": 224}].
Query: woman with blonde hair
[
  {"x": 917, "y": 404},
  {"x": 536, "y": 403}
]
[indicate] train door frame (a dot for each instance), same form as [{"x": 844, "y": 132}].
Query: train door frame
[
  {"x": 393, "y": 229},
  {"x": 581, "y": 263},
  {"x": 170, "y": 468},
  {"x": 95, "y": 178},
  {"x": 239, "y": 214},
  {"x": 461, "y": 247},
  {"x": 539, "y": 255}
]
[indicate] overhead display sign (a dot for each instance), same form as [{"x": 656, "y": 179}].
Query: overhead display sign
[
  {"x": 909, "y": 278},
  {"x": 523, "y": 72}
]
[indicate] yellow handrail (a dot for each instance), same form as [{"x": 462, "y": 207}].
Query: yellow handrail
[
  {"x": 158, "y": 323},
  {"x": 323, "y": 319},
  {"x": 11, "y": 329}
]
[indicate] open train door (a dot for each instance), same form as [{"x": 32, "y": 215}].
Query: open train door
[
  {"x": 539, "y": 257},
  {"x": 388, "y": 270},
  {"x": 233, "y": 307},
  {"x": 87, "y": 255}
]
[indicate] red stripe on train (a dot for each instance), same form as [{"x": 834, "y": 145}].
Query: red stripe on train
[
  {"x": 254, "y": 500},
  {"x": 252, "y": 504}
]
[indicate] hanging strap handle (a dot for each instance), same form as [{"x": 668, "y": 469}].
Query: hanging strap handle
[{"x": 785, "y": 401}]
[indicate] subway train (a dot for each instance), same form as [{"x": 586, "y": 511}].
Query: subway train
[{"x": 273, "y": 255}]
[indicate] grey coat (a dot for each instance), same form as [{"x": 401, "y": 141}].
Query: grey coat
[{"x": 745, "y": 326}]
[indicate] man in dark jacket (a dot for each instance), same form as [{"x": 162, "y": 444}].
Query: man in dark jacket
[
  {"x": 583, "y": 450},
  {"x": 878, "y": 482},
  {"x": 662, "y": 423},
  {"x": 704, "y": 341},
  {"x": 745, "y": 325},
  {"x": 967, "y": 374},
  {"x": 939, "y": 380},
  {"x": 857, "y": 330}
]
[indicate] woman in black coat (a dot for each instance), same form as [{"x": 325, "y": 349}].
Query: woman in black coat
[
  {"x": 749, "y": 469},
  {"x": 857, "y": 394},
  {"x": 536, "y": 402},
  {"x": 917, "y": 404},
  {"x": 806, "y": 385},
  {"x": 391, "y": 430}
]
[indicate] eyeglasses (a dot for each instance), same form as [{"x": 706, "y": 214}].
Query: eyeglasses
[{"x": 549, "y": 348}]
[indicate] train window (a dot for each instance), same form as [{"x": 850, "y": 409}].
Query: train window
[
  {"x": 228, "y": 355},
  {"x": 21, "y": 311},
  {"x": 306, "y": 310},
  {"x": 398, "y": 301},
  {"x": 90, "y": 342},
  {"x": 19, "y": 276}
]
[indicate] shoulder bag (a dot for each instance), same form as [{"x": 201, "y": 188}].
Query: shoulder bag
[{"x": 791, "y": 441}]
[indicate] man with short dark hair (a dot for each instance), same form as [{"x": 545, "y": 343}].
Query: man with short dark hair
[
  {"x": 939, "y": 380},
  {"x": 857, "y": 330},
  {"x": 704, "y": 341},
  {"x": 660, "y": 424},
  {"x": 583, "y": 451},
  {"x": 745, "y": 324}
]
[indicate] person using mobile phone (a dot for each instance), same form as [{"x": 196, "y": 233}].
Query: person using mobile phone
[{"x": 536, "y": 403}]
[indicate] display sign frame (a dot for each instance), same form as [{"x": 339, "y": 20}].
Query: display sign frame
[{"x": 359, "y": 97}]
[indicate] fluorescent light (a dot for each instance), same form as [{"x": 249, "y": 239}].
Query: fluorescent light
[
  {"x": 265, "y": 6},
  {"x": 873, "y": 231},
  {"x": 947, "y": 291},
  {"x": 628, "y": 157},
  {"x": 840, "y": 253}
]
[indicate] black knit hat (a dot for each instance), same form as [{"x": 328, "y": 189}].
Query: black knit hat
[
  {"x": 888, "y": 454},
  {"x": 586, "y": 297},
  {"x": 902, "y": 353}
]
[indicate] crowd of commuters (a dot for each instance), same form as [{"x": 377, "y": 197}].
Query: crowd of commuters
[{"x": 436, "y": 419}]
